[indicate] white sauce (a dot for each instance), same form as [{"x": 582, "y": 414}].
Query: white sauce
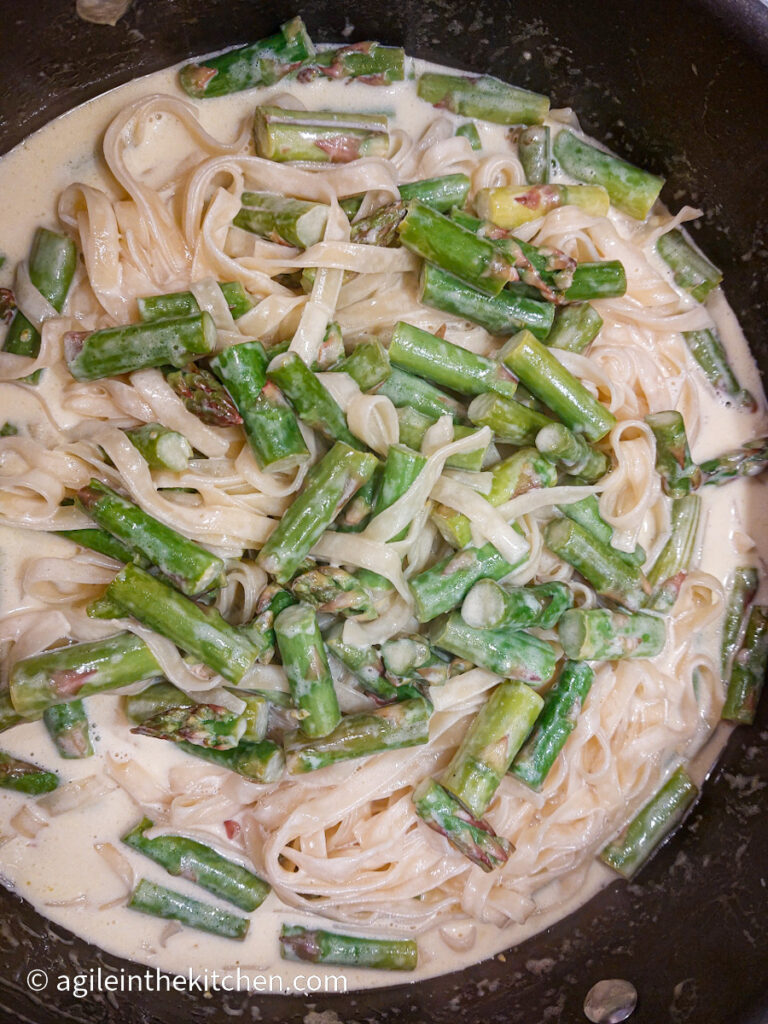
[{"x": 59, "y": 871}]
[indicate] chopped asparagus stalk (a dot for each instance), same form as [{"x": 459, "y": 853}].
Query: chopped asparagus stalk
[
  {"x": 510, "y": 421},
  {"x": 356, "y": 514},
  {"x": 561, "y": 445},
  {"x": 562, "y": 706},
  {"x": 510, "y": 206},
  {"x": 368, "y": 62},
  {"x": 366, "y": 666},
  {"x": 526, "y": 470},
  {"x": 306, "y": 665},
  {"x": 178, "y": 304},
  {"x": 414, "y": 425},
  {"x": 741, "y": 594},
  {"x": 535, "y": 152},
  {"x": 587, "y": 514},
  {"x": 651, "y": 825},
  {"x": 261, "y": 629},
  {"x": 483, "y": 97},
  {"x": 330, "y": 352},
  {"x": 367, "y": 364},
  {"x": 490, "y": 745},
  {"x": 282, "y": 219},
  {"x": 469, "y": 131},
  {"x": 679, "y": 474},
  {"x": 472, "y": 837},
  {"x": 692, "y": 271},
  {"x": 412, "y": 657},
  {"x": 24, "y": 777},
  {"x": 453, "y": 527},
  {"x": 708, "y": 351},
  {"x": 321, "y": 947},
  {"x": 667, "y": 573},
  {"x": 511, "y": 653},
  {"x": 575, "y": 328},
  {"x": 116, "y": 350},
  {"x": 597, "y": 634},
  {"x": 201, "y": 632},
  {"x": 445, "y": 585},
  {"x": 259, "y": 64},
  {"x": 262, "y": 762},
  {"x": 162, "y": 448},
  {"x": 319, "y": 136},
  {"x": 379, "y": 227},
  {"x": 9, "y": 429},
  {"x": 632, "y": 190},
  {"x": 204, "y": 396},
  {"x": 68, "y": 727},
  {"x": 190, "y": 567},
  {"x": 333, "y": 590},
  {"x": 439, "y": 193},
  {"x": 149, "y": 898},
  {"x": 329, "y": 486},
  {"x": 401, "y": 469},
  {"x": 748, "y": 670},
  {"x": 749, "y": 460},
  {"x": 158, "y": 697},
  {"x": 9, "y": 716},
  {"x": 405, "y": 390},
  {"x": 66, "y": 673},
  {"x": 488, "y": 605},
  {"x": 105, "y": 544},
  {"x": 311, "y": 400},
  {"x": 203, "y": 725}
]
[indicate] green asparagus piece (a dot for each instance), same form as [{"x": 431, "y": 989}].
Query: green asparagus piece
[
  {"x": 412, "y": 657},
  {"x": 270, "y": 425},
  {"x": 575, "y": 328},
  {"x": 329, "y": 353},
  {"x": 115, "y": 350},
  {"x": 587, "y": 514},
  {"x": 708, "y": 351},
  {"x": 204, "y": 396},
  {"x": 609, "y": 574},
  {"x": 472, "y": 837},
  {"x": 329, "y": 486},
  {"x": 692, "y": 271},
  {"x": 511, "y": 653},
  {"x": 524, "y": 471},
  {"x": 105, "y": 544},
  {"x": 535, "y": 152},
  {"x": 176, "y": 304},
  {"x": 439, "y": 193},
  {"x": 321, "y": 947},
  {"x": 149, "y": 898},
  {"x": 52, "y": 262},
  {"x": 402, "y": 467},
  {"x": 356, "y": 513},
  {"x": 260, "y": 64},
  {"x": 405, "y": 390},
  {"x": 469, "y": 131},
  {"x": 262, "y": 762},
  {"x": 162, "y": 448},
  {"x": 333, "y": 590},
  {"x": 740, "y": 596},
  {"x": 24, "y": 777},
  {"x": 562, "y": 706},
  {"x": 203, "y": 725},
  {"x": 509, "y": 420},
  {"x": 138, "y": 707},
  {"x": 306, "y": 665},
  {"x": 651, "y": 825},
  {"x": 9, "y": 429},
  {"x": 366, "y": 666},
  {"x": 453, "y": 527},
  {"x": 311, "y": 400},
  {"x": 379, "y": 227},
  {"x": 199, "y": 631},
  {"x": 546, "y": 378},
  {"x": 748, "y": 670},
  {"x": 445, "y": 585},
  {"x": 414, "y": 425},
  {"x": 483, "y": 97},
  {"x": 367, "y": 364},
  {"x": 670, "y": 568},
  {"x": 368, "y": 62},
  {"x": 632, "y": 190},
  {"x": 67, "y": 725},
  {"x": 749, "y": 460},
  {"x": 66, "y": 673},
  {"x": 261, "y": 629},
  {"x": 282, "y": 219},
  {"x": 490, "y": 745},
  {"x": 605, "y": 279},
  {"x": 9, "y": 716},
  {"x": 488, "y": 605},
  {"x": 502, "y": 314},
  {"x": 319, "y": 136},
  {"x": 510, "y": 206},
  {"x": 404, "y": 724},
  {"x": 188, "y": 565},
  {"x": 597, "y": 634},
  {"x": 679, "y": 474},
  {"x": 561, "y": 445}
]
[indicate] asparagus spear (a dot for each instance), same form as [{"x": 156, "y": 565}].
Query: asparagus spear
[
  {"x": 204, "y": 396},
  {"x": 445, "y": 585},
  {"x": 453, "y": 527},
  {"x": 9, "y": 716},
  {"x": 526, "y": 470},
  {"x": 333, "y": 590},
  {"x": 413, "y": 657},
  {"x": 748, "y": 670},
  {"x": 534, "y": 150},
  {"x": 670, "y": 568},
  {"x": 740, "y": 596},
  {"x": 379, "y": 227},
  {"x": 282, "y": 219},
  {"x": 319, "y": 136},
  {"x": 149, "y": 898},
  {"x": 484, "y": 97},
  {"x": 575, "y": 328},
  {"x": 201, "y": 865},
  {"x": 587, "y": 514},
  {"x": 651, "y": 825},
  {"x": 306, "y": 665},
  {"x": 414, "y": 425},
  {"x": 188, "y": 565},
  {"x": 546, "y": 378},
  {"x": 368, "y": 62},
  {"x": 9, "y": 429},
  {"x": 115, "y": 350},
  {"x": 679, "y": 474},
  {"x": 447, "y": 365},
  {"x": 561, "y": 445},
  {"x": 357, "y": 512},
  {"x": 105, "y": 544},
  {"x": 67, "y": 725},
  {"x": 562, "y": 706},
  {"x": 404, "y": 724},
  {"x": 329, "y": 486},
  {"x": 199, "y": 631},
  {"x": 510, "y": 206},
  {"x": 749, "y": 460},
  {"x": 490, "y": 744},
  {"x": 440, "y": 193},
  {"x": 260, "y": 64},
  {"x": 321, "y": 947},
  {"x": 401, "y": 468},
  {"x": 177, "y": 304},
  {"x": 203, "y": 725},
  {"x": 692, "y": 271},
  {"x": 138, "y": 707},
  {"x": 469, "y": 131},
  {"x": 367, "y": 364},
  {"x": 472, "y": 837},
  {"x": 262, "y": 762},
  {"x": 631, "y": 189},
  {"x": 66, "y": 673},
  {"x": 491, "y": 606},
  {"x": 162, "y": 448},
  {"x": 261, "y": 629},
  {"x": 270, "y": 426},
  {"x": 366, "y": 666},
  {"x": 311, "y": 400},
  {"x": 511, "y": 653},
  {"x": 24, "y": 777},
  {"x": 598, "y": 563},
  {"x": 405, "y": 390},
  {"x": 509, "y": 420},
  {"x": 329, "y": 353},
  {"x": 597, "y": 634},
  {"x": 708, "y": 351}
]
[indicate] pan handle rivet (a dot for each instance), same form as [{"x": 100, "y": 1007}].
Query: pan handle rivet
[{"x": 610, "y": 1001}]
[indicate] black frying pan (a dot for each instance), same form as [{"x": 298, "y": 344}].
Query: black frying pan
[{"x": 680, "y": 87}]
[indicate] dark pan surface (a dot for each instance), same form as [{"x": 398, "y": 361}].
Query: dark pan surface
[{"x": 679, "y": 87}]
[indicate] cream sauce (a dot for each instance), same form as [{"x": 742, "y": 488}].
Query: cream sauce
[{"x": 59, "y": 870}]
